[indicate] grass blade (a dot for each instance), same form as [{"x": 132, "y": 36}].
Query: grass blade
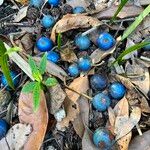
[
  {"x": 59, "y": 40},
  {"x": 130, "y": 50},
  {"x": 43, "y": 64},
  {"x": 122, "y": 4},
  {"x": 137, "y": 21},
  {"x": 11, "y": 50}
]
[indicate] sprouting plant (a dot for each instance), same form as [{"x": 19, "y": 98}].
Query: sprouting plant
[
  {"x": 36, "y": 86},
  {"x": 4, "y": 56},
  {"x": 59, "y": 40}
]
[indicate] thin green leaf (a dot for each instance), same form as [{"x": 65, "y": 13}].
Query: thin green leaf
[
  {"x": 11, "y": 50},
  {"x": 137, "y": 21},
  {"x": 43, "y": 64},
  {"x": 122, "y": 4},
  {"x": 130, "y": 50},
  {"x": 6, "y": 71},
  {"x": 35, "y": 71},
  {"x": 59, "y": 40},
  {"x": 51, "y": 82},
  {"x": 27, "y": 88},
  {"x": 36, "y": 96},
  {"x": 2, "y": 48}
]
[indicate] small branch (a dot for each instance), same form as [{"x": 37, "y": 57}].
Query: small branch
[{"x": 139, "y": 130}]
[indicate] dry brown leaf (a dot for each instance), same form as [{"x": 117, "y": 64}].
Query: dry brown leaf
[
  {"x": 73, "y": 21},
  {"x": 81, "y": 85},
  {"x": 23, "y": 2},
  {"x": 75, "y": 3},
  {"x": 38, "y": 120}
]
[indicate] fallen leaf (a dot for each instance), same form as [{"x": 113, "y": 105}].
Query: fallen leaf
[
  {"x": 73, "y": 21},
  {"x": 38, "y": 119},
  {"x": 23, "y": 2},
  {"x": 81, "y": 85},
  {"x": 75, "y": 3},
  {"x": 57, "y": 96},
  {"x": 16, "y": 137},
  {"x": 21, "y": 14},
  {"x": 100, "y": 4},
  {"x": 141, "y": 142}
]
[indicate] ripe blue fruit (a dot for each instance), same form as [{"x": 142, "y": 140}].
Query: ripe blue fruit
[
  {"x": 73, "y": 70},
  {"x": 84, "y": 63},
  {"x": 117, "y": 90},
  {"x": 54, "y": 3},
  {"x": 47, "y": 21},
  {"x": 98, "y": 82},
  {"x": 3, "y": 128},
  {"x": 102, "y": 139},
  {"x": 53, "y": 56},
  {"x": 105, "y": 41},
  {"x": 44, "y": 44},
  {"x": 79, "y": 10},
  {"x": 82, "y": 42},
  {"x": 36, "y": 3},
  {"x": 101, "y": 101},
  {"x": 14, "y": 79},
  {"x": 147, "y": 47}
]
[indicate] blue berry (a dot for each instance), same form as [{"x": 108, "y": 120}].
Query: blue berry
[
  {"x": 14, "y": 78},
  {"x": 117, "y": 90},
  {"x": 44, "y": 44},
  {"x": 102, "y": 139},
  {"x": 147, "y": 47},
  {"x": 73, "y": 70},
  {"x": 101, "y": 102},
  {"x": 82, "y": 42},
  {"x": 3, "y": 128},
  {"x": 54, "y": 3},
  {"x": 98, "y": 82},
  {"x": 105, "y": 41},
  {"x": 53, "y": 56},
  {"x": 84, "y": 64},
  {"x": 36, "y": 3},
  {"x": 79, "y": 10},
  {"x": 47, "y": 21}
]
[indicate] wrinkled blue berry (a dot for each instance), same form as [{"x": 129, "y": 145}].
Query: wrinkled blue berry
[
  {"x": 79, "y": 10},
  {"x": 98, "y": 82},
  {"x": 14, "y": 79},
  {"x": 84, "y": 63},
  {"x": 147, "y": 47},
  {"x": 53, "y": 56},
  {"x": 117, "y": 90},
  {"x": 82, "y": 42},
  {"x": 105, "y": 41},
  {"x": 101, "y": 102},
  {"x": 54, "y": 3},
  {"x": 44, "y": 44},
  {"x": 48, "y": 21},
  {"x": 36, "y": 3},
  {"x": 3, "y": 128},
  {"x": 102, "y": 139},
  {"x": 73, "y": 70}
]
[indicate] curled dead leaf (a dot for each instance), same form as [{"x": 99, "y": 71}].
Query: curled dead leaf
[
  {"x": 38, "y": 120},
  {"x": 73, "y": 21}
]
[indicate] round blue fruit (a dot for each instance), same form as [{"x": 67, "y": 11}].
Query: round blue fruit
[
  {"x": 79, "y": 10},
  {"x": 73, "y": 70},
  {"x": 102, "y": 139},
  {"x": 44, "y": 44},
  {"x": 48, "y": 21},
  {"x": 14, "y": 79},
  {"x": 3, "y": 128},
  {"x": 82, "y": 42},
  {"x": 105, "y": 41},
  {"x": 117, "y": 90},
  {"x": 53, "y": 56},
  {"x": 101, "y": 102},
  {"x": 147, "y": 47},
  {"x": 36, "y": 3},
  {"x": 54, "y": 3},
  {"x": 98, "y": 82},
  {"x": 84, "y": 63}
]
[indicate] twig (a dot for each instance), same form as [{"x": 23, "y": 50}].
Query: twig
[{"x": 139, "y": 130}]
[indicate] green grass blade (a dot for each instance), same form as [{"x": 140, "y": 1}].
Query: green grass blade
[
  {"x": 137, "y": 21},
  {"x": 2, "y": 48},
  {"x": 11, "y": 50},
  {"x": 36, "y": 96},
  {"x": 122, "y": 4},
  {"x": 130, "y": 50},
  {"x": 43, "y": 64},
  {"x": 59, "y": 40}
]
